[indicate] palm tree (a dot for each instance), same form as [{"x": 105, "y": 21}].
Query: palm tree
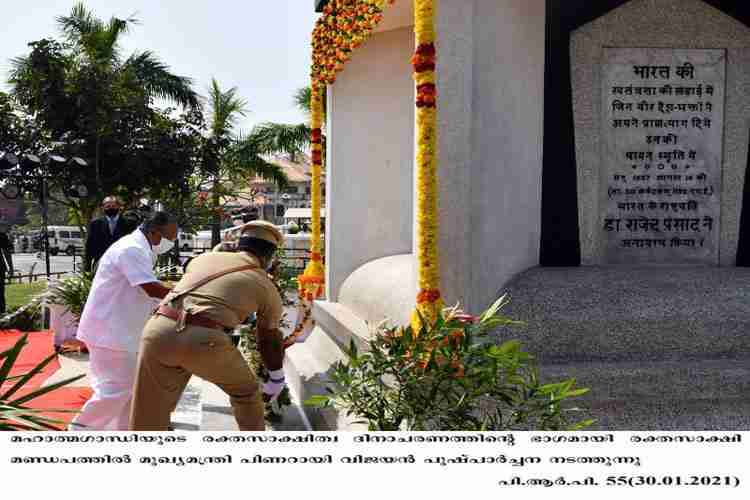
[
  {"x": 290, "y": 139},
  {"x": 86, "y": 85},
  {"x": 98, "y": 43},
  {"x": 240, "y": 158},
  {"x": 302, "y": 99},
  {"x": 274, "y": 138}
]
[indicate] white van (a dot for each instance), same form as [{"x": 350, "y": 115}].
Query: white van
[
  {"x": 203, "y": 241},
  {"x": 203, "y": 238},
  {"x": 65, "y": 239},
  {"x": 186, "y": 241}
]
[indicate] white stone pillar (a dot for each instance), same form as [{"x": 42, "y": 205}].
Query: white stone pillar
[
  {"x": 370, "y": 157},
  {"x": 491, "y": 107}
]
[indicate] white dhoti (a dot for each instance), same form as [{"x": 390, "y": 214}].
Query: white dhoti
[{"x": 112, "y": 379}]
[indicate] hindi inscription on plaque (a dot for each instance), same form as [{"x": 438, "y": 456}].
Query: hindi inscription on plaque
[{"x": 663, "y": 122}]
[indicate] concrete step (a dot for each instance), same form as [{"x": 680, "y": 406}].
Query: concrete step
[
  {"x": 670, "y": 414},
  {"x": 217, "y": 414},
  {"x": 308, "y": 365},
  {"x": 631, "y": 313},
  {"x": 707, "y": 379},
  {"x": 696, "y": 395},
  {"x": 188, "y": 416}
]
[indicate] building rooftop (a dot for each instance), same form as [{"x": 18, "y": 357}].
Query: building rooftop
[{"x": 296, "y": 172}]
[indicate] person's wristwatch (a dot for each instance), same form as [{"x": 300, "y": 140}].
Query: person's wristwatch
[{"x": 276, "y": 376}]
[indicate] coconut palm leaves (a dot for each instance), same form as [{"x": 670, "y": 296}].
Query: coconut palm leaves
[
  {"x": 275, "y": 138},
  {"x": 14, "y": 414},
  {"x": 302, "y": 100},
  {"x": 159, "y": 82},
  {"x": 96, "y": 50},
  {"x": 226, "y": 107},
  {"x": 91, "y": 36},
  {"x": 240, "y": 157}
]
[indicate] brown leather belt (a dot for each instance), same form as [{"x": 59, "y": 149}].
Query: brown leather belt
[{"x": 191, "y": 319}]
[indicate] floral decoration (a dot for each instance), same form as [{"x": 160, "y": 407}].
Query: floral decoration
[
  {"x": 344, "y": 25},
  {"x": 429, "y": 302}
]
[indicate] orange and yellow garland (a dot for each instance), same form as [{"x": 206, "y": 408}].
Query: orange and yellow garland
[
  {"x": 313, "y": 279},
  {"x": 344, "y": 25},
  {"x": 429, "y": 302}
]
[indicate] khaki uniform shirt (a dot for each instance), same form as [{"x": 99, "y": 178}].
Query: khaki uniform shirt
[{"x": 231, "y": 298}]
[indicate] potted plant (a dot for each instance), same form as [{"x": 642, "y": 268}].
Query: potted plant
[{"x": 65, "y": 299}]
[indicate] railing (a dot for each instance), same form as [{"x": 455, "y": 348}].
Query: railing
[
  {"x": 295, "y": 259},
  {"x": 18, "y": 278}
]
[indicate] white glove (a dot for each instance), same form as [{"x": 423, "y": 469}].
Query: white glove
[{"x": 275, "y": 384}]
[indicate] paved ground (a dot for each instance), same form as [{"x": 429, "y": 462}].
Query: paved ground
[{"x": 203, "y": 405}]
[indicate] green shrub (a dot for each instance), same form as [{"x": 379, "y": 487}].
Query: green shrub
[
  {"x": 70, "y": 292},
  {"x": 451, "y": 378},
  {"x": 26, "y": 318}
]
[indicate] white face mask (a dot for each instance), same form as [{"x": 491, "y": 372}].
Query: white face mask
[{"x": 164, "y": 246}]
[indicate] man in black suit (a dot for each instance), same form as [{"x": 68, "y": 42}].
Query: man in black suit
[
  {"x": 6, "y": 264},
  {"x": 104, "y": 231}
]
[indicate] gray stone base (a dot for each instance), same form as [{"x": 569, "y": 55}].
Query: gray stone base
[
  {"x": 307, "y": 365},
  {"x": 661, "y": 349},
  {"x": 632, "y": 313}
]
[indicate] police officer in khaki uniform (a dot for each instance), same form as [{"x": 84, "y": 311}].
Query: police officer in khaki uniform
[{"x": 188, "y": 333}]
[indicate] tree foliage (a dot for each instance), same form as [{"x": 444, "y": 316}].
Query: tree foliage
[
  {"x": 235, "y": 159},
  {"x": 94, "y": 103}
]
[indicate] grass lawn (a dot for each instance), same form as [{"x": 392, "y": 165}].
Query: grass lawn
[{"x": 17, "y": 294}]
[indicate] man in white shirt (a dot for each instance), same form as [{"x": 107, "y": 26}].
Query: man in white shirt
[{"x": 123, "y": 295}]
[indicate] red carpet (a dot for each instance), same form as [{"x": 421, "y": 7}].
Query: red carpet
[{"x": 39, "y": 346}]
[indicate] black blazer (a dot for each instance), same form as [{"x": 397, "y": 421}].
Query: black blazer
[
  {"x": 99, "y": 239},
  {"x": 6, "y": 249}
]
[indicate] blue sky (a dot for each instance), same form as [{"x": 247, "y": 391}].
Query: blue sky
[{"x": 260, "y": 46}]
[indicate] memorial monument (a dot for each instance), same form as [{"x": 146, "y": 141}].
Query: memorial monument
[{"x": 606, "y": 142}]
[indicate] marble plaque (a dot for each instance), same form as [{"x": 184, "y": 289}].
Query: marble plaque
[{"x": 662, "y": 142}]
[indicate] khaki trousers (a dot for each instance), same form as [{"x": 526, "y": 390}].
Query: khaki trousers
[{"x": 166, "y": 361}]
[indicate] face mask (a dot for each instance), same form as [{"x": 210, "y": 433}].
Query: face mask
[
  {"x": 111, "y": 212},
  {"x": 164, "y": 246}
]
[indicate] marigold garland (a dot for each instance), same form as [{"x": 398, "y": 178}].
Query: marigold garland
[
  {"x": 344, "y": 25},
  {"x": 311, "y": 282},
  {"x": 429, "y": 303}
]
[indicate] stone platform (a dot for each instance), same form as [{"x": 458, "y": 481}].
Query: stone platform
[{"x": 660, "y": 348}]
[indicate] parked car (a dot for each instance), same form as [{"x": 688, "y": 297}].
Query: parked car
[{"x": 67, "y": 239}]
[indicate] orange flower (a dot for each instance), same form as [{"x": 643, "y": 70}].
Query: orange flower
[{"x": 428, "y": 296}]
